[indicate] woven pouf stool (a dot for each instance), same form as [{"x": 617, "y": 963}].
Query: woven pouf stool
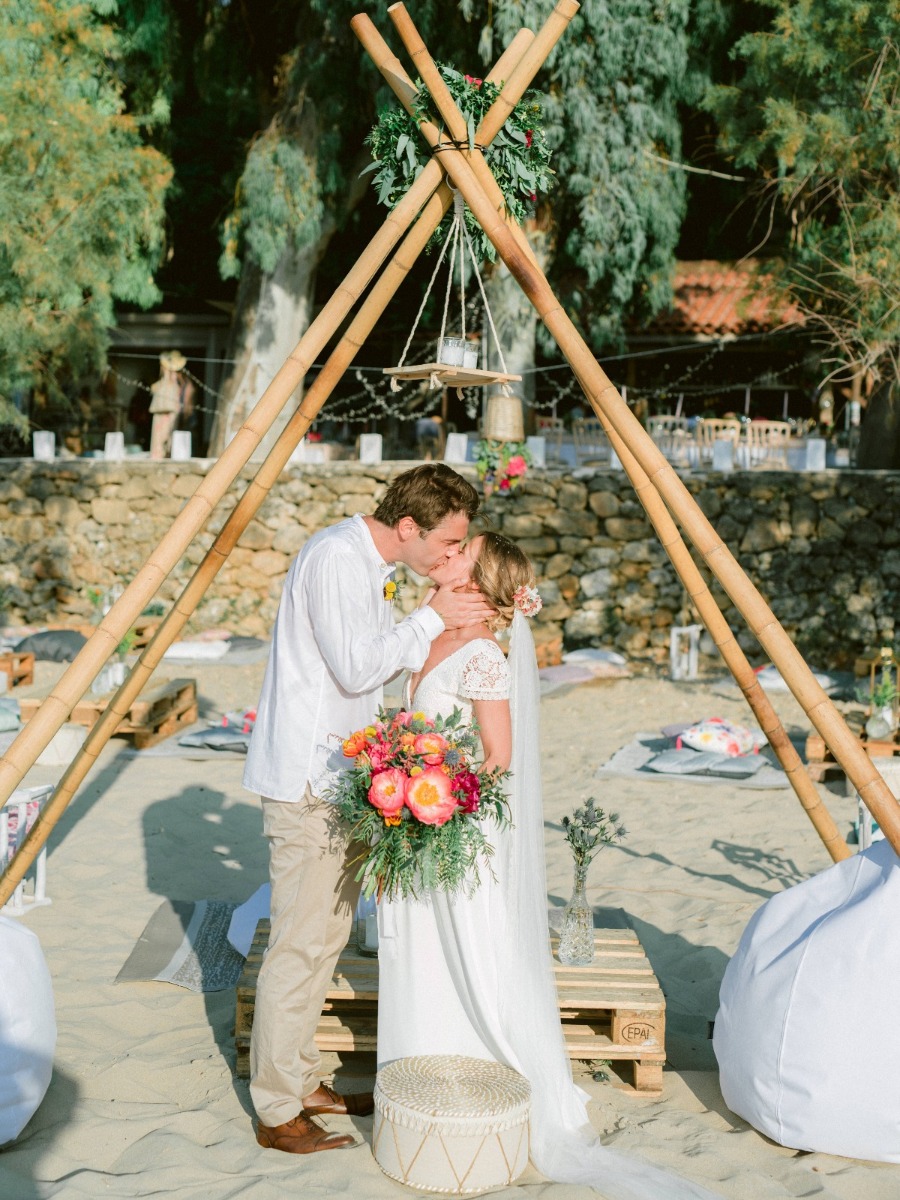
[{"x": 444, "y": 1123}]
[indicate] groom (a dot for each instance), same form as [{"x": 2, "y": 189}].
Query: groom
[{"x": 334, "y": 645}]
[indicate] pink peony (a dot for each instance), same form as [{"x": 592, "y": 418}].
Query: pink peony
[
  {"x": 516, "y": 465},
  {"x": 468, "y": 783},
  {"x": 379, "y": 754},
  {"x": 388, "y": 791},
  {"x": 431, "y": 747},
  {"x": 429, "y": 797}
]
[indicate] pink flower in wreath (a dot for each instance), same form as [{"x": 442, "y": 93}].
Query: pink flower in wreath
[
  {"x": 429, "y": 797},
  {"x": 468, "y": 783},
  {"x": 504, "y": 485},
  {"x": 516, "y": 465},
  {"x": 388, "y": 791},
  {"x": 431, "y": 747}
]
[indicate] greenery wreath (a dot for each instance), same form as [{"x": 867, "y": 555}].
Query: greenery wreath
[{"x": 518, "y": 156}]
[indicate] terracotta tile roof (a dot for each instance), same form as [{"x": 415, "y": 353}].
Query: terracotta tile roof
[{"x": 720, "y": 299}]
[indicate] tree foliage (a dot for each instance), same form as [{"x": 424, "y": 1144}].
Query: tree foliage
[
  {"x": 816, "y": 114},
  {"x": 81, "y": 197},
  {"x": 612, "y": 88}
]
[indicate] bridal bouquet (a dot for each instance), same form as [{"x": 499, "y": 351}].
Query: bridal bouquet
[{"x": 415, "y": 799}]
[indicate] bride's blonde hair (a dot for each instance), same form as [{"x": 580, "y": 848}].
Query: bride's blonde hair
[{"x": 499, "y": 571}]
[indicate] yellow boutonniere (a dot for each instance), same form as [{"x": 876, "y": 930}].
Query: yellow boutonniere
[{"x": 391, "y": 591}]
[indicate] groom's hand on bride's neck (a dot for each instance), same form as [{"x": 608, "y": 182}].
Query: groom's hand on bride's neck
[{"x": 460, "y": 606}]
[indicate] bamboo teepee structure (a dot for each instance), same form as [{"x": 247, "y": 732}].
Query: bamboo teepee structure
[{"x": 666, "y": 500}]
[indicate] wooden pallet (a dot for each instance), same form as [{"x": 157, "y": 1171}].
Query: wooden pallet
[
  {"x": 18, "y": 668},
  {"x": 820, "y": 760},
  {"x": 612, "y": 1010},
  {"x": 164, "y": 707}
]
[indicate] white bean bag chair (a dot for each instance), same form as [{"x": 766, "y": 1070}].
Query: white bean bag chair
[
  {"x": 807, "y": 1035},
  {"x": 27, "y": 1027}
]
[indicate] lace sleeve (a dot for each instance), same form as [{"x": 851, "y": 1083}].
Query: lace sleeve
[{"x": 485, "y": 676}]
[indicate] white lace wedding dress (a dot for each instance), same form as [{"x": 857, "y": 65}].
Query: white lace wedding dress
[
  {"x": 420, "y": 1009},
  {"x": 474, "y": 975}
]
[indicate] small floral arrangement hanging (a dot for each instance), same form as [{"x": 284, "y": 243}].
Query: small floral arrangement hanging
[
  {"x": 416, "y": 800},
  {"x": 519, "y": 156},
  {"x": 501, "y": 466}
]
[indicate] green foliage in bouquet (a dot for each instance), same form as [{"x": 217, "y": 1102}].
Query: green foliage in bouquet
[
  {"x": 589, "y": 829},
  {"x": 519, "y": 156},
  {"x": 415, "y": 800}
]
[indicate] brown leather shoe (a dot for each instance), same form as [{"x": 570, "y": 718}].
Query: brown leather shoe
[
  {"x": 301, "y": 1135},
  {"x": 326, "y": 1102}
]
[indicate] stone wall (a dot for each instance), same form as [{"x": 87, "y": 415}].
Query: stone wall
[{"x": 824, "y": 548}]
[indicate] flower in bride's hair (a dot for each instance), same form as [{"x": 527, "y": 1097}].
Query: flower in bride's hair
[
  {"x": 430, "y": 798},
  {"x": 388, "y": 791},
  {"x": 527, "y": 600}
]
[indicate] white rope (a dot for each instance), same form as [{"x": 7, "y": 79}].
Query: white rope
[
  {"x": 395, "y": 383},
  {"x": 459, "y": 214},
  {"x": 487, "y": 310},
  {"x": 452, "y": 239}
]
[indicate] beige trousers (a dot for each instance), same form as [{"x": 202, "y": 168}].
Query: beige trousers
[{"x": 313, "y": 900}]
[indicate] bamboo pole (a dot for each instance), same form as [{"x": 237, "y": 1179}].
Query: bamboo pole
[
  {"x": 75, "y": 681},
  {"x": 606, "y": 401},
  {"x": 522, "y": 63},
  {"x": 349, "y": 345},
  {"x": 685, "y": 567},
  {"x": 726, "y": 643}
]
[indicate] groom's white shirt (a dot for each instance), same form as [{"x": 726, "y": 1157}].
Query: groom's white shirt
[{"x": 334, "y": 645}]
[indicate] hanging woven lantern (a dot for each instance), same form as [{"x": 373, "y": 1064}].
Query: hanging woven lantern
[{"x": 503, "y": 419}]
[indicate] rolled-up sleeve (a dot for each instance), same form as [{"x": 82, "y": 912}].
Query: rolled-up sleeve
[{"x": 358, "y": 656}]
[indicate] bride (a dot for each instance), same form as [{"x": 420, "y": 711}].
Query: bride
[{"x": 473, "y": 975}]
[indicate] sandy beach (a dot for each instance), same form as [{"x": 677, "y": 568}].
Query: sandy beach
[{"x": 144, "y": 1101}]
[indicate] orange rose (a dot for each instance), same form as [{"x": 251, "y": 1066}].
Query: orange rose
[
  {"x": 431, "y": 747},
  {"x": 430, "y": 798},
  {"x": 388, "y": 791},
  {"x": 407, "y": 739},
  {"x": 355, "y": 744},
  {"x": 393, "y": 821}
]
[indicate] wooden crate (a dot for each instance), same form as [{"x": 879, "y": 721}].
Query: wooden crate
[
  {"x": 349, "y": 1019},
  {"x": 820, "y": 760},
  {"x": 18, "y": 668},
  {"x": 164, "y": 707},
  {"x": 613, "y": 1009}
]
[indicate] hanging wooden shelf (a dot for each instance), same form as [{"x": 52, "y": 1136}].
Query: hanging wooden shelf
[{"x": 450, "y": 376}]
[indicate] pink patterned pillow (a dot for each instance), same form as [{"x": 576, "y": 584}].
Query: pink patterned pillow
[{"x": 717, "y": 733}]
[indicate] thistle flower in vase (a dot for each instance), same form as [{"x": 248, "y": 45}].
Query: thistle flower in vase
[{"x": 589, "y": 829}]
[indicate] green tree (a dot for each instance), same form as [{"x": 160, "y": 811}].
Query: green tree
[
  {"x": 301, "y": 182},
  {"x": 816, "y": 115},
  {"x": 81, "y": 197},
  {"x": 613, "y": 86}
]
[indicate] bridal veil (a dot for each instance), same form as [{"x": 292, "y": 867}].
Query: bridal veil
[{"x": 521, "y": 1027}]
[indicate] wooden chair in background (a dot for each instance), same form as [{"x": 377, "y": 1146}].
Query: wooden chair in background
[
  {"x": 591, "y": 443},
  {"x": 551, "y": 429},
  {"x": 767, "y": 444},
  {"x": 673, "y": 436},
  {"x": 711, "y": 429}
]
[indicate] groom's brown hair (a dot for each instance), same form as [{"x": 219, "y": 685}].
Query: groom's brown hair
[{"x": 428, "y": 494}]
